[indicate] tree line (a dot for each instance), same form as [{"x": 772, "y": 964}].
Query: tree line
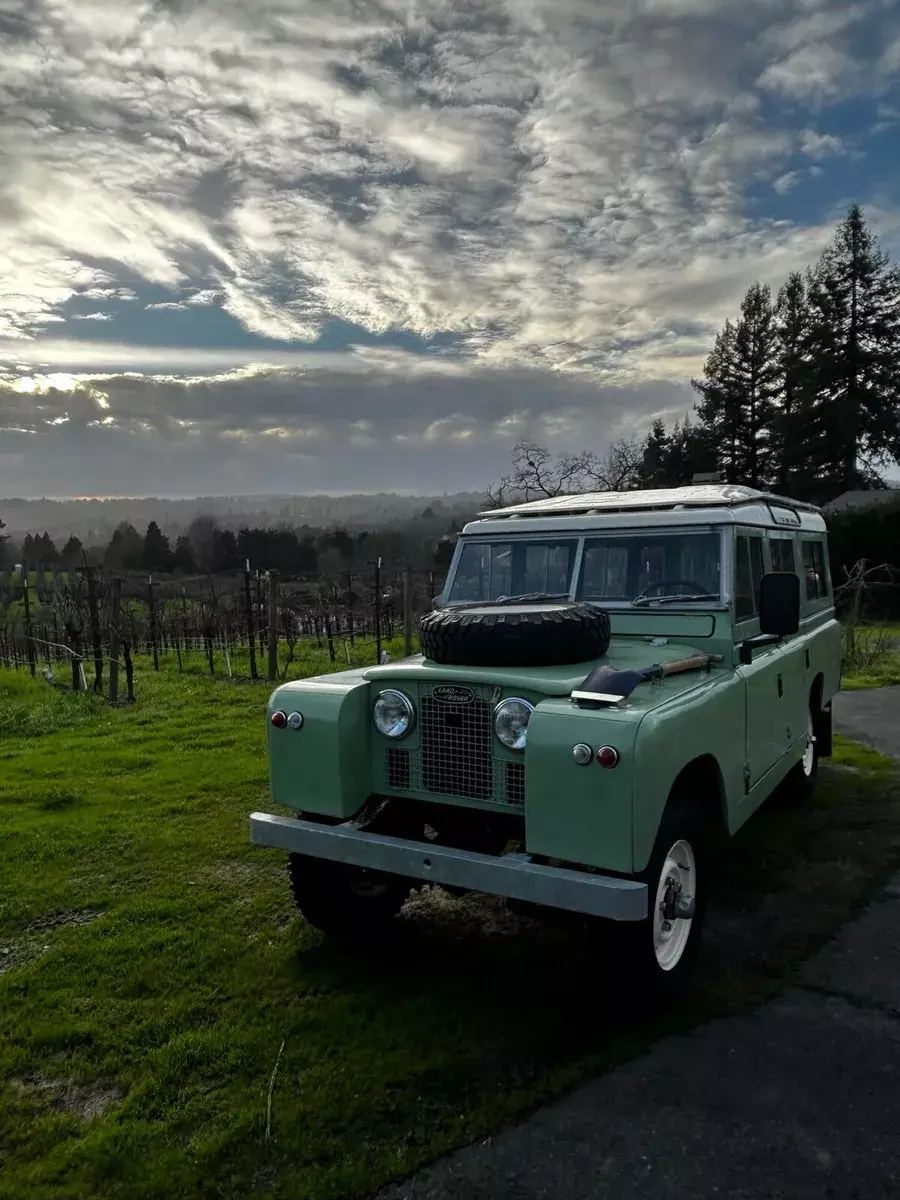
[
  {"x": 800, "y": 393},
  {"x": 207, "y": 548}
]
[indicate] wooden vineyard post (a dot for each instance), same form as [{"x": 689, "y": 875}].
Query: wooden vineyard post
[
  {"x": 129, "y": 669},
  {"x": 330, "y": 636},
  {"x": 377, "y": 566},
  {"x": 154, "y": 632},
  {"x": 29, "y": 629},
  {"x": 248, "y": 614},
  {"x": 259, "y": 609},
  {"x": 407, "y": 611},
  {"x": 114, "y": 640},
  {"x": 273, "y": 626},
  {"x": 96, "y": 638},
  {"x": 350, "y": 629}
]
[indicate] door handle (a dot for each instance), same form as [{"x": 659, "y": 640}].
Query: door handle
[{"x": 780, "y": 687}]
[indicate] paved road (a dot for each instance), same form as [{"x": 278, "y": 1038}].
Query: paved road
[
  {"x": 871, "y": 716},
  {"x": 800, "y": 1100}
]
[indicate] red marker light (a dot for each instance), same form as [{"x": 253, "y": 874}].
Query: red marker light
[
  {"x": 279, "y": 720},
  {"x": 607, "y": 757}
]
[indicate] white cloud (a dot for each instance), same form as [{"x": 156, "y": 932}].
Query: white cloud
[
  {"x": 561, "y": 185},
  {"x": 814, "y": 71},
  {"x": 97, "y": 316}
]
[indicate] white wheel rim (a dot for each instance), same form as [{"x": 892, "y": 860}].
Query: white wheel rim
[
  {"x": 809, "y": 754},
  {"x": 670, "y": 937}
]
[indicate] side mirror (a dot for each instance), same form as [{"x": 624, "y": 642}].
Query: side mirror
[
  {"x": 779, "y": 604},
  {"x": 779, "y": 612}
]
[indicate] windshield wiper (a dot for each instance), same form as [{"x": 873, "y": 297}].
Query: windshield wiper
[
  {"x": 642, "y": 601},
  {"x": 528, "y": 598}
]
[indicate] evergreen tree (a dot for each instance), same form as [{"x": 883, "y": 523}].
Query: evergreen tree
[
  {"x": 156, "y": 554},
  {"x": 798, "y": 434},
  {"x": 739, "y": 390},
  {"x": 183, "y": 560},
  {"x": 29, "y": 553},
  {"x": 654, "y": 469},
  {"x": 854, "y": 345},
  {"x": 72, "y": 553},
  {"x": 125, "y": 551}
]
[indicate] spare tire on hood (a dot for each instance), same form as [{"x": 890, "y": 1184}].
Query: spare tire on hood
[{"x": 515, "y": 635}]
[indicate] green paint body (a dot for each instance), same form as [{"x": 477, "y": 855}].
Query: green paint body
[{"x": 750, "y": 722}]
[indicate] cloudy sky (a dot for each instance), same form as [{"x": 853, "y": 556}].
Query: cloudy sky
[{"x": 340, "y": 245}]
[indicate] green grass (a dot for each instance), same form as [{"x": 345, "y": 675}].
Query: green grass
[{"x": 154, "y": 966}]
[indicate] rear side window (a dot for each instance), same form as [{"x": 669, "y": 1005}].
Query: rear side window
[
  {"x": 748, "y": 571},
  {"x": 814, "y": 570},
  {"x": 782, "y": 550}
]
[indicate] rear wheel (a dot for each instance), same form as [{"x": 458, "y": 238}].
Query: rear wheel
[
  {"x": 342, "y": 900},
  {"x": 801, "y": 780}
]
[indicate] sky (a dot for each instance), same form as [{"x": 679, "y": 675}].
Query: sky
[{"x": 306, "y": 246}]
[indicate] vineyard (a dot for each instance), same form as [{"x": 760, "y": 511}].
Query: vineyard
[{"x": 84, "y": 628}]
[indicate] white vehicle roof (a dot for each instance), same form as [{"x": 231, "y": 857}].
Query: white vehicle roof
[{"x": 697, "y": 504}]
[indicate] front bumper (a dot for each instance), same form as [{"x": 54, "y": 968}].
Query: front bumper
[{"x": 513, "y": 875}]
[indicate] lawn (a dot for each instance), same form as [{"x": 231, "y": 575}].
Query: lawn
[{"x": 153, "y": 973}]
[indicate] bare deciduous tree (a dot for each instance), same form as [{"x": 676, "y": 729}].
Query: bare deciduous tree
[{"x": 536, "y": 474}]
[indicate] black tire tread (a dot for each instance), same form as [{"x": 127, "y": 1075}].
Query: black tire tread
[{"x": 518, "y": 635}]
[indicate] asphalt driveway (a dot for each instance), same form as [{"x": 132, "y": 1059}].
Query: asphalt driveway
[{"x": 798, "y": 1100}]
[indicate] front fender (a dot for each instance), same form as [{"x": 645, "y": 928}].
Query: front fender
[
  {"x": 581, "y": 814},
  {"x": 325, "y": 766},
  {"x": 707, "y": 721}
]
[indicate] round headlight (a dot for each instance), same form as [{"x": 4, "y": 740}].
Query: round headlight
[
  {"x": 393, "y": 714},
  {"x": 511, "y": 719}
]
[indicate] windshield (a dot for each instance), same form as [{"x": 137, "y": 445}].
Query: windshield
[
  {"x": 491, "y": 570},
  {"x": 617, "y": 568},
  {"x": 652, "y": 566}
]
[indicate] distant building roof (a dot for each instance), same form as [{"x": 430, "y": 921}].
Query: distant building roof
[{"x": 862, "y": 499}]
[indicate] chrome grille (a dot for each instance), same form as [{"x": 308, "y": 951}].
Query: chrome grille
[
  {"x": 456, "y": 745},
  {"x": 453, "y": 752}
]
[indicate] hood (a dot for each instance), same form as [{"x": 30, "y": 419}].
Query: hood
[{"x": 624, "y": 654}]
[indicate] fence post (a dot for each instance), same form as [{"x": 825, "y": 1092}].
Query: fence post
[
  {"x": 259, "y": 608},
  {"x": 407, "y": 611},
  {"x": 96, "y": 637},
  {"x": 330, "y": 636},
  {"x": 129, "y": 669},
  {"x": 248, "y": 613},
  {"x": 350, "y": 630},
  {"x": 154, "y": 632},
  {"x": 273, "y": 626},
  {"x": 29, "y": 630},
  {"x": 115, "y": 611},
  {"x": 377, "y": 566}
]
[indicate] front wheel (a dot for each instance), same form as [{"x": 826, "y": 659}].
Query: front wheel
[
  {"x": 344, "y": 901},
  {"x": 660, "y": 952}
]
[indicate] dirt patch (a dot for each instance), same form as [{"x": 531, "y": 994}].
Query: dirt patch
[
  {"x": 84, "y": 1101},
  {"x": 463, "y": 916},
  {"x": 32, "y": 943},
  {"x": 64, "y": 916}
]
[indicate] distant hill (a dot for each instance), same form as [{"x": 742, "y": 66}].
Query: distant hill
[{"x": 94, "y": 520}]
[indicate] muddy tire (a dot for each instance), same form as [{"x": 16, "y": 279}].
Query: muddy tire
[
  {"x": 345, "y": 901},
  {"x": 515, "y": 635}
]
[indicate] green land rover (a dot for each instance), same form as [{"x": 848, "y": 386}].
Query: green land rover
[{"x": 609, "y": 683}]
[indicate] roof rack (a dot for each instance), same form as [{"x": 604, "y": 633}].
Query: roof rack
[{"x": 718, "y": 495}]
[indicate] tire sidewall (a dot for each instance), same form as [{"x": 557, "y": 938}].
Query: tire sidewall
[{"x": 649, "y": 983}]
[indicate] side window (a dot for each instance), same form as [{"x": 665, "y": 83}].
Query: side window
[
  {"x": 748, "y": 571},
  {"x": 782, "y": 550},
  {"x": 814, "y": 572}
]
